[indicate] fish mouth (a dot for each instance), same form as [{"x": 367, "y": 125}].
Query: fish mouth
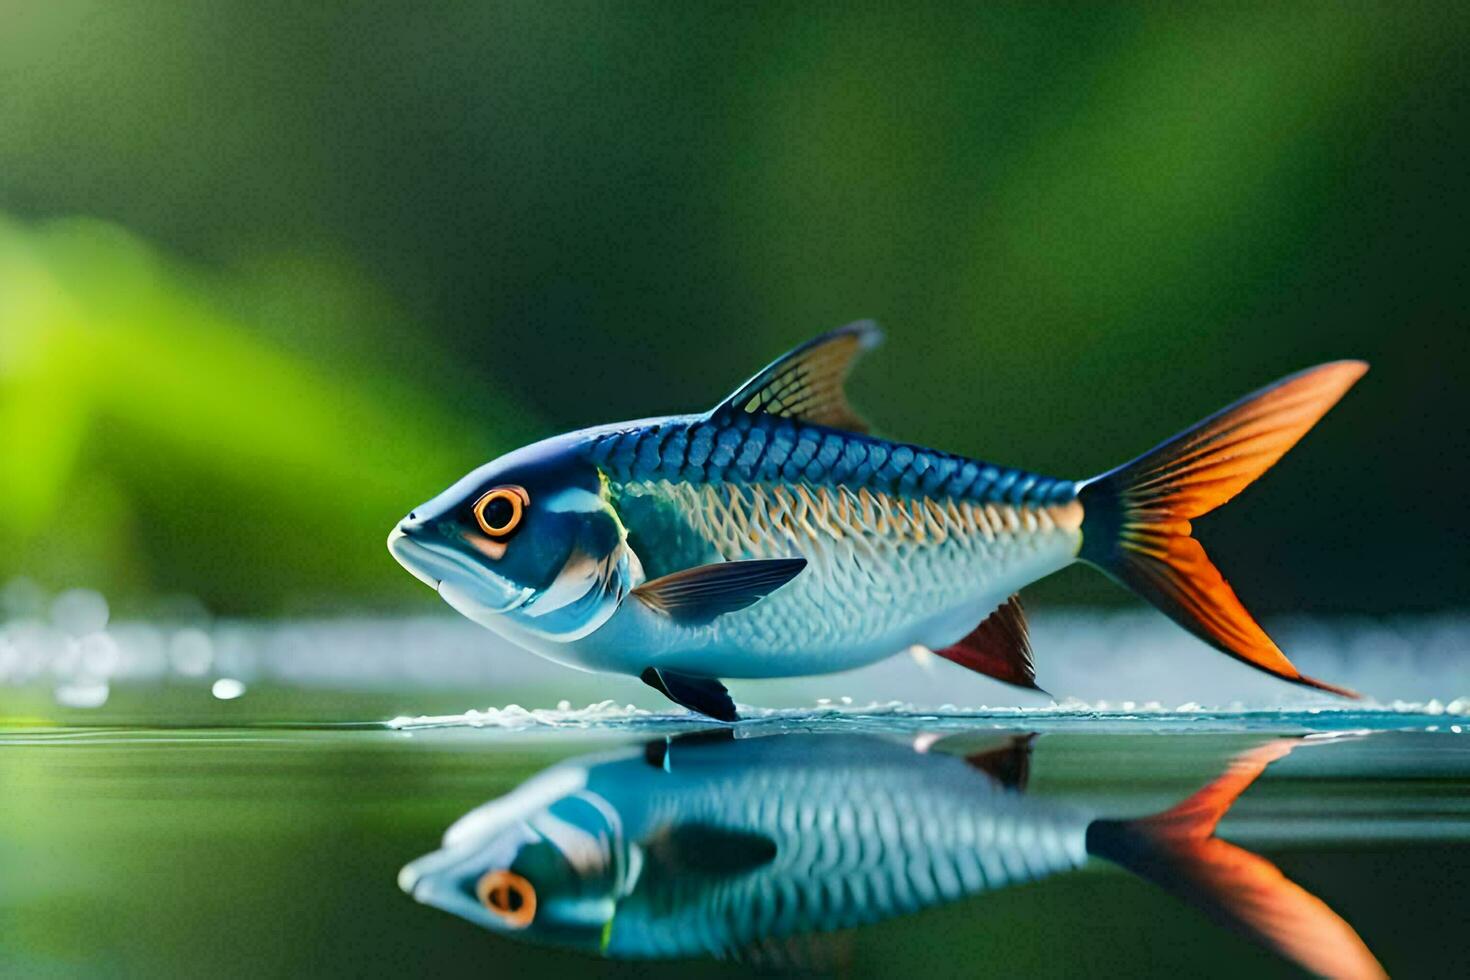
[
  {"x": 444, "y": 879},
  {"x": 414, "y": 557},
  {"x": 458, "y": 579},
  {"x": 460, "y": 860},
  {"x": 437, "y": 880},
  {"x": 421, "y": 878}
]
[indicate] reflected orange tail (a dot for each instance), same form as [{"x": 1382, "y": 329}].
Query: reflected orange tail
[
  {"x": 1136, "y": 524},
  {"x": 1178, "y": 851}
]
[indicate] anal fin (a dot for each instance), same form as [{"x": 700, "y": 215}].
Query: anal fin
[
  {"x": 1009, "y": 764},
  {"x": 1000, "y": 647},
  {"x": 704, "y": 695}
]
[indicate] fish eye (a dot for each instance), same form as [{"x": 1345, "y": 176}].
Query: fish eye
[
  {"x": 508, "y": 896},
  {"x": 499, "y": 511}
]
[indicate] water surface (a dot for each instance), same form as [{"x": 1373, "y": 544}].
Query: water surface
[
  {"x": 235, "y": 851},
  {"x": 231, "y": 798}
]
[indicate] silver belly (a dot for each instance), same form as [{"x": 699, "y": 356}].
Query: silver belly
[{"x": 883, "y": 574}]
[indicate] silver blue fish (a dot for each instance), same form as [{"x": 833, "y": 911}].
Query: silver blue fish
[
  {"x": 773, "y": 536},
  {"x": 743, "y": 848}
]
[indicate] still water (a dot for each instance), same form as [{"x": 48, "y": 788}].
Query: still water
[{"x": 862, "y": 845}]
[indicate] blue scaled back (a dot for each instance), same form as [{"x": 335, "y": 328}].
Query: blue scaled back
[{"x": 739, "y": 447}]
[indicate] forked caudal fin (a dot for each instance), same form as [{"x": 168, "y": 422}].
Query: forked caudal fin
[
  {"x": 1178, "y": 851},
  {"x": 1136, "y": 518}
]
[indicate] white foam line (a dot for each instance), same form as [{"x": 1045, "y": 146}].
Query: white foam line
[{"x": 609, "y": 714}]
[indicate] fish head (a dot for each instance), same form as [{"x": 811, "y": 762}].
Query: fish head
[
  {"x": 528, "y": 540},
  {"x": 547, "y": 864}
]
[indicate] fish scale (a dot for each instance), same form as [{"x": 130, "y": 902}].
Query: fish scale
[
  {"x": 726, "y": 448},
  {"x": 891, "y": 533},
  {"x": 893, "y": 858}
]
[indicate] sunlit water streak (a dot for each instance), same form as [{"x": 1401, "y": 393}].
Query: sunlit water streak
[
  {"x": 901, "y": 717},
  {"x": 1085, "y": 657},
  {"x": 612, "y": 719}
]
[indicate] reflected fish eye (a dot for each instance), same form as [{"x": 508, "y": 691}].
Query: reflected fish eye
[
  {"x": 499, "y": 512},
  {"x": 508, "y": 897}
]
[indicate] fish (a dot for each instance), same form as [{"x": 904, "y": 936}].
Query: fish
[
  {"x": 774, "y": 535},
  {"x": 773, "y": 849}
]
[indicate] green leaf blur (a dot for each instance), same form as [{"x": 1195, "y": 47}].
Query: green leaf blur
[
  {"x": 155, "y": 441},
  {"x": 271, "y": 274}
]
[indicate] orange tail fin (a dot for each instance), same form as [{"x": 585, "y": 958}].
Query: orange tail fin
[
  {"x": 1178, "y": 851},
  {"x": 1136, "y": 525}
]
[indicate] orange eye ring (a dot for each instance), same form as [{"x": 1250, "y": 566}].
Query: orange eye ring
[
  {"x": 508, "y": 897},
  {"x": 499, "y": 512}
]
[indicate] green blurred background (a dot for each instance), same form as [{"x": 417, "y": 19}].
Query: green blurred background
[{"x": 271, "y": 273}]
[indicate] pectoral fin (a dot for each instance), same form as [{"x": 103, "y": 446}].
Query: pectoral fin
[
  {"x": 695, "y": 596},
  {"x": 704, "y": 695},
  {"x": 706, "y": 849},
  {"x": 1000, "y": 647}
]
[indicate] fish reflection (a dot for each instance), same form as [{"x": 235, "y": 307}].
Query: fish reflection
[{"x": 709, "y": 845}]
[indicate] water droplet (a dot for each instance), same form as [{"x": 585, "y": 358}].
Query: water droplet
[
  {"x": 227, "y": 689},
  {"x": 82, "y": 694}
]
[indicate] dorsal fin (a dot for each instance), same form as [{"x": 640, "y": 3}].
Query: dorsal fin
[
  {"x": 823, "y": 954},
  {"x": 808, "y": 383},
  {"x": 999, "y": 647}
]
